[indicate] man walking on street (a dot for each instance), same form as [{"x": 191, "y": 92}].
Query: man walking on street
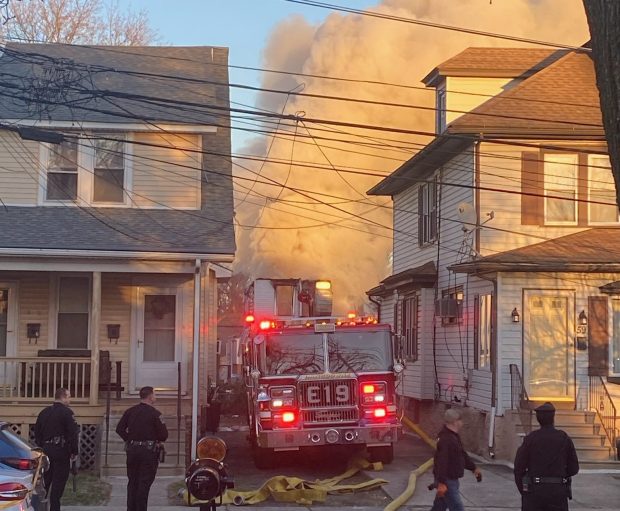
[
  {"x": 143, "y": 429},
  {"x": 451, "y": 460},
  {"x": 544, "y": 465},
  {"x": 57, "y": 433}
]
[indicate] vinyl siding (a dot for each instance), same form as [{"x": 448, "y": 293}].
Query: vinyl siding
[
  {"x": 500, "y": 169},
  {"x": 19, "y": 170},
  {"x": 166, "y": 177},
  {"x": 479, "y": 90}
]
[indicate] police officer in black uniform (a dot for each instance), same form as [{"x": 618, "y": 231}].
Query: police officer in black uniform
[
  {"x": 143, "y": 429},
  {"x": 57, "y": 433},
  {"x": 544, "y": 464}
]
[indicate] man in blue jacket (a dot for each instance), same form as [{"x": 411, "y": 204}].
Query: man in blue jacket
[{"x": 451, "y": 460}]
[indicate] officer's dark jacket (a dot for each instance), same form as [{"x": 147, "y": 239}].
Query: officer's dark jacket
[
  {"x": 451, "y": 460},
  {"x": 57, "y": 421},
  {"x": 546, "y": 452},
  {"x": 142, "y": 422}
]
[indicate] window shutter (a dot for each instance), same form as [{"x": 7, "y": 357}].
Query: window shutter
[
  {"x": 532, "y": 206},
  {"x": 433, "y": 210},
  {"x": 598, "y": 336},
  {"x": 476, "y": 331},
  {"x": 420, "y": 215}
]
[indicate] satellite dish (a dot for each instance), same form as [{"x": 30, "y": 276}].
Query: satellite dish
[{"x": 467, "y": 215}]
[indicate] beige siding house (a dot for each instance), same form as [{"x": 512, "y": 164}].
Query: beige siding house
[
  {"x": 115, "y": 211},
  {"x": 508, "y": 297}
]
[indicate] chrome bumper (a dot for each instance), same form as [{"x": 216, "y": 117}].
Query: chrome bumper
[{"x": 293, "y": 439}]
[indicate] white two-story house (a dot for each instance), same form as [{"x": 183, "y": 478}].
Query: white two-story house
[
  {"x": 505, "y": 291},
  {"x": 115, "y": 207}
]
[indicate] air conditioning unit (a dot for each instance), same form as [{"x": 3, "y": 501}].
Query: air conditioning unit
[{"x": 449, "y": 308}]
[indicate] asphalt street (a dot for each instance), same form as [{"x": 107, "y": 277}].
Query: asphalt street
[{"x": 592, "y": 488}]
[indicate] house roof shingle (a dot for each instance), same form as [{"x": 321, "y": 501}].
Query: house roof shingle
[
  {"x": 112, "y": 83},
  {"x": 116, "y": 229},
  {"x": 578, "y": 251},
  {"x": 492, "y": 62}
]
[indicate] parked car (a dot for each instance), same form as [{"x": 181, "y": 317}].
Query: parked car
[
  {"x": 15, "y": 490},
  {"x": 24, "y": 463}
]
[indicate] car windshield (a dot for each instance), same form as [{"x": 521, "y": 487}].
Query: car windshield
[
  {"x": 294, "y": 354},
  {"x": 359, "y": 351}
]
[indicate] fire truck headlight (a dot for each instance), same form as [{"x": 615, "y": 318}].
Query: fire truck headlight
[
  {"x": 288, "y": 417},
  {"x": 276, "y": 403},
  {"x": 379, "y": 413}
]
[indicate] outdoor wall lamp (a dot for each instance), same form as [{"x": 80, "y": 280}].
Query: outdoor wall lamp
[
  {"x": 515, "y": 315},
  {"x": 114, "y": 332},
  {"x": 33, "y": 331},
  {"x": 583, "y": 318}
]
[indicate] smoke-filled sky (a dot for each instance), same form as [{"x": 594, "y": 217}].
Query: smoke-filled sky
[{"x": 300, "y": 225}]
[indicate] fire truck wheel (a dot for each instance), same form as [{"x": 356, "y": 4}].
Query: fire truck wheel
[
  {"x": 264, "y": 458},
  {"x": 384, "y": 454}
]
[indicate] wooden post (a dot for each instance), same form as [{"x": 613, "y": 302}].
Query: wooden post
[{"x": 95, "y": 316}]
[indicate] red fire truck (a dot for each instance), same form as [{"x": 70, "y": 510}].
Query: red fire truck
[{"x": 315, "y": 381}]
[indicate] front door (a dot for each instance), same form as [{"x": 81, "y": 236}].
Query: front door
[
  {"x": 548, "y": 346},
  {"x": 158, "y": 338},
  {"x": 8, "y": 333}
]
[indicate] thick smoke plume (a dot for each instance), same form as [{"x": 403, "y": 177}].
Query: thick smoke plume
[{"x": 304, "y": 234}]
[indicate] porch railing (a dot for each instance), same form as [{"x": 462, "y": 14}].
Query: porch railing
[
  {"x": 518, "y": 395},
  {"x": 37, "y": 378},
  {"x": 600, "y": 401}
]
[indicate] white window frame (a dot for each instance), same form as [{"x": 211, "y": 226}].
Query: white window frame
[
  {"x": 574, "y": 161},
  {"x": 54, "y": 307},
  {"x": 485, "y": 331},
  {"x": 429, "y": 206},
  {"x": 592, "y": 186},
  {"x": 86, "y": 174}
]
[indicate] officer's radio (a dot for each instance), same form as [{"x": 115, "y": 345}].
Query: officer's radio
[{"x": 207, "y": 478}]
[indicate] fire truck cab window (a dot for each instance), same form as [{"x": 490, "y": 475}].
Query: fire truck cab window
[
  {"x": 284, "y": 300},
  {"x": 293, "y": 354},
  {"x": 359, "y": 351}
]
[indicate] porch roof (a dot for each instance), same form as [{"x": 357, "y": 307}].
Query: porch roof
[
  {"x": 412, "y": 278},
  {"x": 117, "y": 230},
  {"x": 591, "y": 250}
]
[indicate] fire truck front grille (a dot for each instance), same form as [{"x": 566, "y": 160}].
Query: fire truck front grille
[
  {"x": 327, "y": 393},
  {"x": 330, "y": 416}
]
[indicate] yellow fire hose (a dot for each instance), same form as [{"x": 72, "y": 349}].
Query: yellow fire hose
[
  {"x": 413, "y": 476},
  {"x": 300, "y": 491}
]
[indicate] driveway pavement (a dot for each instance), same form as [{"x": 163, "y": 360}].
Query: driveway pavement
[{"x": 592, "y": 489}]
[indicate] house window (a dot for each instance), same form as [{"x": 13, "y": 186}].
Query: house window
[
  {"x": 409, "y": 327},
  {"x": 284, "y": 300},
  {"x": 601, "y": 188},
  {"x": 109, "y": 171},
  {"x": 450, "y": 307},
  {"x": 88, "y": 171},
  {"x": 62, "y": 171},
  {"x": 483, "y": 327},
  {"x": 561, "y": 188},
  {"x": 440, "y": 110},
  {"x": 73, "y": 312},
  {"x": 427, "y": 212}
]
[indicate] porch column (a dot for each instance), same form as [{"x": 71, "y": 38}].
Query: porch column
[
  {"x": 95, "y": 319},
  {"x": 196, "y": 357}
]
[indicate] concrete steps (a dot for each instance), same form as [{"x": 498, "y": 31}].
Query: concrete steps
[{"x": 591, "y": 444}]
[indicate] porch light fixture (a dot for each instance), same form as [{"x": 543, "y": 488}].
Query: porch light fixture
[
  {"x": 114, "y": 332},
  {"x": 515, "y": 315},
  {"x": 583, "y": 318}
]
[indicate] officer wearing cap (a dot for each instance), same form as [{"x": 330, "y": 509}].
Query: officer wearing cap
[
  {"x": 57, "y": 433},
  {"x": 544, "y": 465},
  {"x": 143, "y": 430}
]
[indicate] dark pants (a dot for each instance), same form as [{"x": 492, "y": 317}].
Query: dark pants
[
  {"x": 452, "y": 500},
  {"x": 58, "y": 473},
  {"x": 546, "y": 497},
  {"x": 141, "y": 469}
]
